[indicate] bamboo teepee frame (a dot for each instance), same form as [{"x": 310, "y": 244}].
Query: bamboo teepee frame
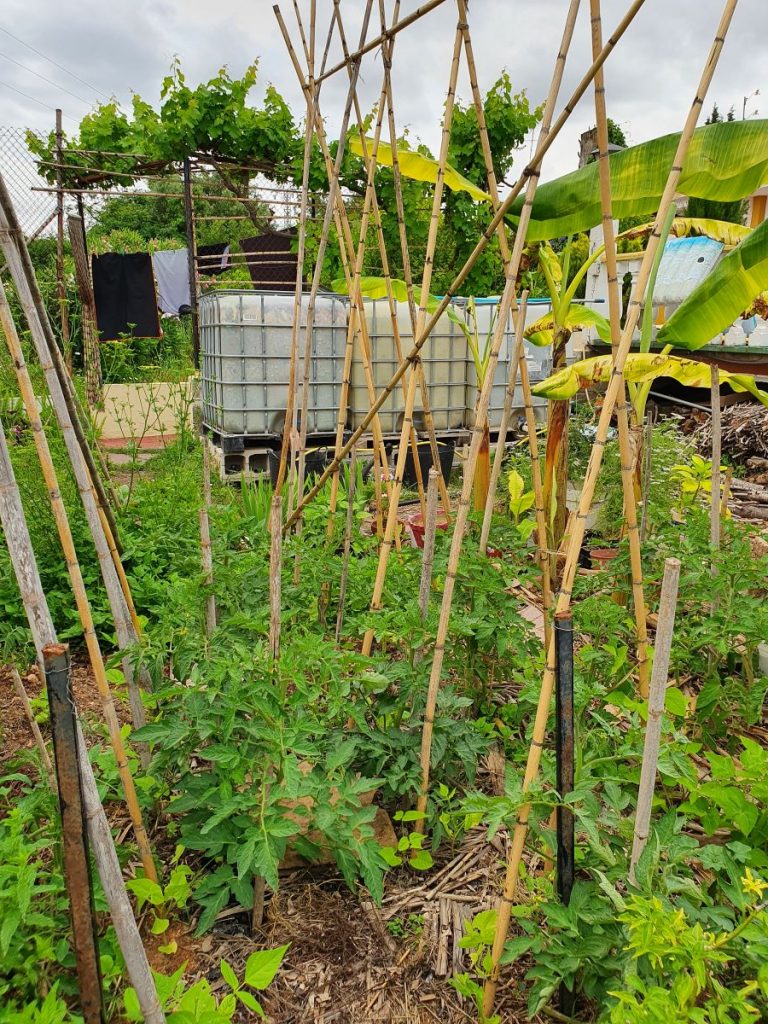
[{"x": 585, "y": 502}]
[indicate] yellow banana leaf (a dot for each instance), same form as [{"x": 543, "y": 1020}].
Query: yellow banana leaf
[
  {"x": 639, "y": 368},
  {"x": 542, "y": 332},
  {"x": 421, "y": 168},
  {"x": 689, "y": 227},
  {"x": 728, "y": 291},
  {"x": 726, "y": 161}
]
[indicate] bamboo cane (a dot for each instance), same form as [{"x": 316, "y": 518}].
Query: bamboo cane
[
  {"x": 407, "y": 272},
  {"x": 394, "y": 500},
  {"x": 91, "y": 640},
  {"x": 348, "y": 526},
  {"x": 614, "y": 309},
  {"x": 428, "y": 554},
  {"x": 333, "y": 194},
  {"x": 17, "y": 537},
  {"x": 505, "y": 305},
  {"x": 585, "y": 502},
  {"x": 371, "y": 211},
  {"x": 450, "y": 293},
  {"x": 658, "y": 689},
  {"x": 45, "y": 757},
  {"x": 206, "y": 552},
  {"x": 123, "y": 625}
]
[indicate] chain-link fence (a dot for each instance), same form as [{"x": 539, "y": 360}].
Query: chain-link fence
[{"x": 36, "y": 210}]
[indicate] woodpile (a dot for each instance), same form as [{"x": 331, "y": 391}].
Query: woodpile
[{"x": 744, "y": 436}]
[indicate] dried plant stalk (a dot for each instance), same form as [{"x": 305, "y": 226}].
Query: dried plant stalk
[
  {"x": 275, "y": 579},
  {"x": 428, "y": 554},
  {"x": 585, "y": 503},
  {"x": 658, "y": 689},
  {"x": 21, "y": 693},
  {"x": 206, "y": 550},
  {"x": 348, "y": 527},
  {"x": 714, "y": 533}
]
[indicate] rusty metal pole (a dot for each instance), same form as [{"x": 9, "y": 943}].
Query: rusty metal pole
[{"x": 77, "y": 871}]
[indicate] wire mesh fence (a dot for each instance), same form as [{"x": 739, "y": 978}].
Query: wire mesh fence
[{"x": 36, "y": 210}]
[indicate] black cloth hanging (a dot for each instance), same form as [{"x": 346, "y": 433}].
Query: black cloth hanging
[
  {"x": 124, "y": 290},
  {"x": 271, "y": 262},
  {"x": 213, "y": 259}
]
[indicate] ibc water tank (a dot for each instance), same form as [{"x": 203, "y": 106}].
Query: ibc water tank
[
  {"x": 444, "y": 358},
  {"x": 245, "y": 345}
]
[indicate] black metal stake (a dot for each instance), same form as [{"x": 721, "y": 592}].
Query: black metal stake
[
  {"x": 564, "y": 742},
  {"x": 77, "y": 871}
]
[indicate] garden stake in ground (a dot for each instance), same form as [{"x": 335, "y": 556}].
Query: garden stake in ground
[
  {"x": 614, "y": 306},
  {"x": 656, "y": 697},
  {"x": 206, "y": 553},
  {"x": 565, "y": 755},
  {"x": 21, "y": 693},
  {"x": 76, "y": 867},
  {"x": 394, "y": 501},
  {"x": 451, "y": 292},
  {"x": 14, "y": 527},
  {"x": 481, "y": 412},
  {"x": 585, "y": 501}
]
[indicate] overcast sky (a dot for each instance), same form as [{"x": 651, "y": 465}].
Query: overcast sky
[{"x": 123, "y": 46}]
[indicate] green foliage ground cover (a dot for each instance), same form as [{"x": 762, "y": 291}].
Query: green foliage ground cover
[{"x": 251, "y": 757}]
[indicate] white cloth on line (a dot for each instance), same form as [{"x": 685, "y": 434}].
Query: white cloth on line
[{"x": 171, "y": 268}]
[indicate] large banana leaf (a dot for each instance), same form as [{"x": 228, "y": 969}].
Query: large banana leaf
[
  {"x": 421, "y": 168},
  {"x": 725, "y": 161},
  {"x": 728, "y": 291},
  {"x": 542, "y": 332},
  {"x": 689, "y": 227},
  {"x": 639, "y": 368}
]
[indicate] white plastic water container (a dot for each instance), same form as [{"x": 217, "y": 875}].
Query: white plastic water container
[
  {"x": 443, "y": 356},
  {"x": 245, "y": 347},
  {"x": 538, "y": 360}
]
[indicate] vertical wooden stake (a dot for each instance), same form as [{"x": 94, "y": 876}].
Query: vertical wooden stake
[
  {"x": 77, "y": 872},
  {"x": 658, "y": 690},
  {"x": 430, "y": 531},
  {"x": 714, "y": 535},
  {"x": 565, "y": 751},
  {"x": 60, "y": 286},
  {"x": 189, "y": 224},
  {"x": 348, "y": 527},
  {"x": 91, "y": 351},
  {"x": 21, "y": 693},
  {"x": 275, "y": 581},
  {"x": 206, "y": 551}
]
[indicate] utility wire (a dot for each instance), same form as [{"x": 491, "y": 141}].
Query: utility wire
[
  {"x": 34, "y": 99},
  {"x": 50, "y": 81},
  {"x": 54, "y": 62}
]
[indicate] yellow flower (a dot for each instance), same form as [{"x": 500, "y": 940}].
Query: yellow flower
[{"x": 753, "y": 885}]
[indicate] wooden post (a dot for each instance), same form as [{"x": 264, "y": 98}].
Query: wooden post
[
  {"x": 714, "y": 536},
  {"x": 61, "y": 289},
  {"x": 348, "y": 529},
  {"x": 14, "y": 528},
  {"x": 206, "y": 552},
  {"x": 275, "y": 581},
  {"x": 566, "y": 761},
  {"x": 658, "y": 689},
  {"x": 189, "y": 225},
  {"x": 91, "y": 350},
  {"x": 428, "y": 554},
  {"x": 77, "y": 873}
]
